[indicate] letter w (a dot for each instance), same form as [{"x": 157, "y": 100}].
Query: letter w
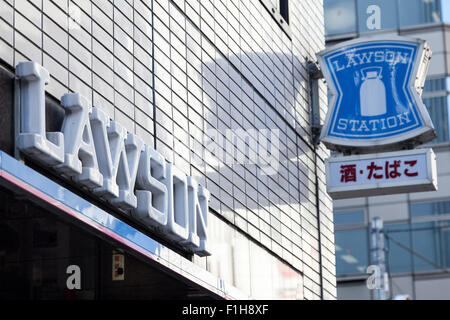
[
  {"x": 365, "y": 57},
  {"x": 119, "y": 155}
]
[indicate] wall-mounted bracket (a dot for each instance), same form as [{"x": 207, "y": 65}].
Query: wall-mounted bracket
[
  {"x": 314, "y": 71},
  {"x": 314, "y": 75},
  {"x": 17, "y": 124}
]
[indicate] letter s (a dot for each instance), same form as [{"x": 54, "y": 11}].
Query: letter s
[{"x": 342, "y": 124}]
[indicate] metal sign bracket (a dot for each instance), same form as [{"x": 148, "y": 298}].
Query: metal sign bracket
[{"x": 315, "y": 74}]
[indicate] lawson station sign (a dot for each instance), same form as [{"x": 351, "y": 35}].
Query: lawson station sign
[
  {"x": 375, "y": 106},
  {"x": 375, "y": 89},
  {"x": 100, "y": 155}
]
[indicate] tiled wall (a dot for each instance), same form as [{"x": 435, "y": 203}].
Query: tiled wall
[{"x": 180, "y": 68}]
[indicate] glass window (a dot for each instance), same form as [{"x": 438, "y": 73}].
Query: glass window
[
  {"x": 284, "y": 10},
  {"x": 426, "y": 242},
  {"x": 349, "y": 217},
  {"x": 437, "y": 101},
  {"x": 430, "y": 239},
  {"x": 398, "y": 259},
  {"x": 375, "y": 15},
  {"x": 340, "y": 16},
  {"x": 352, "y": 254},
  {"x": 445, "y": 242},
  {"x": 419, "y": 12},
  {"x": 438, "y": 110},
  {"x": 445, "y": 10},
  {"x": 429, "y": 208},
  {"x": 429, "y": 242},
  {"x": 433, "y": 85}
]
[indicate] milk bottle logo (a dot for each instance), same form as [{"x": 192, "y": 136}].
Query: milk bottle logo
[{"x": 372, "y": 94}]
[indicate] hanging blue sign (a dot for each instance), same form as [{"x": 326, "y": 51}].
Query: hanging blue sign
[{"x": 375, "y": 89}]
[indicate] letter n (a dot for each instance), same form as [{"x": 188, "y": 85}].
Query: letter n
[{"x": 198, "y": 198}]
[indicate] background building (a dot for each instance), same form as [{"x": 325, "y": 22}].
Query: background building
[
  {"x": 417, "y": 224},
  {"x": 176, "y": 73}
]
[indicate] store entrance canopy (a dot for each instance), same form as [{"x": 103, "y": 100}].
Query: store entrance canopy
[{"x": 23, "y": 180}]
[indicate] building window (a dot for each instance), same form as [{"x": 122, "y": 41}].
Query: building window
[
  {"x": 360, "y": 16},
  {"x": 352, "y": 254},
  {"x": 419, "y": 12},
  {"x": 438, "y": 110},
  {"x": 445, "y": 11},
  {"x": 279, "y": 10},
  {"x": 351, "y": 240},
  {"x": 427, "y": 243},
  {"x": 284, "y": 10},
  {"x": 431, "y": 238},
  {"x": 349, "y": 218},
  {"x": 398, "y": 259},
  {"x": 421, "y": 245},
  {"x": 340, "y": 17},
  {"x": 436, "y": 99},
  {"x": 428, "y": 209}
]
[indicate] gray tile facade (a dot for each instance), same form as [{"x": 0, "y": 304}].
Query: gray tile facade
[{"x": 170, "y": 71}]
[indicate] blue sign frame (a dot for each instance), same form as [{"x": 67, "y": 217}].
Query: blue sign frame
[{"x": 375, "y": 86}]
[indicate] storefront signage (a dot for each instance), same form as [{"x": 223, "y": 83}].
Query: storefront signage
[
  {"x": 380, "y": 174},
  {"x": 375, "y": 89},
  {"x": 100, "y": 155},
  {"x": 25, "y": 181}
]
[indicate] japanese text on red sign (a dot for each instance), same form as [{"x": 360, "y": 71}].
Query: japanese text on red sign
[{"x": 389, "y": 170}]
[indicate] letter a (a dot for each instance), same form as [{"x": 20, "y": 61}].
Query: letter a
[{"x": 80, "y": 160}]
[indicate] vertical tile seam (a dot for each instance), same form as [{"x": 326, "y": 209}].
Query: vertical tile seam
[
  {"x": 68, "y": 45},
  {"x": 134, "y": 73},
  {"x": 319, "y": 229},
  {"x": 153, "y": 76},
  {"x": 298, "y": 169},
  {"x": 319, "y": 235},
  {"x": 92, "y": 56},
  {"x": 14, "y": 33},
  {"x": 114, "y": 59},
  {"x": 42, "y": 32}
]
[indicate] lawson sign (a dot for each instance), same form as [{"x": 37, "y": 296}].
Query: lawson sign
[
  {"x": 375, "y": 89},
  {"x": 99, "y": 155}
]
